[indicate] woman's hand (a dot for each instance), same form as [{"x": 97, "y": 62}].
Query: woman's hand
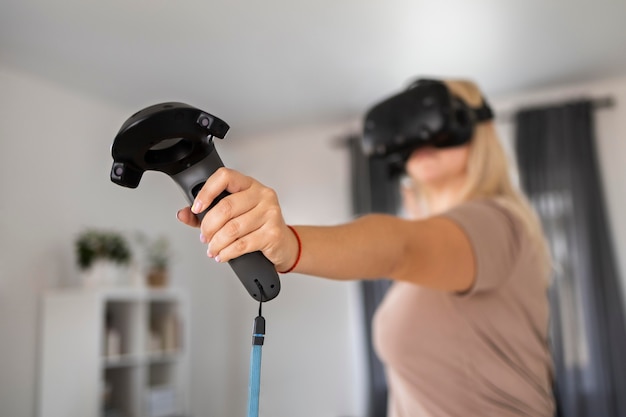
[
  {"x": 248, "y": 220},
  {"x": 372, "y": 246}
]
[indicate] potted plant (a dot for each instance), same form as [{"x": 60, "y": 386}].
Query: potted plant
[
  {"x": 158, "y": 254},
  {"x": 101, "y": 255}
]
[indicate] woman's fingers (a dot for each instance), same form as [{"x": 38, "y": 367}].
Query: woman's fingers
[
  {"x": 228, "y": 208},
  {"x": 266, "y": 238},
  {"x": 238, "y": 236},
  {"x": 223, "y": 179},
  {"x": 241, "y": 214},
  {"x": 186, "y": 216},
  {"x": 247, "y": 220}
]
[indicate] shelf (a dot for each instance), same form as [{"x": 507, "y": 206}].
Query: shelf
[
  {"x": 120, "y": 321},
  {"x": 123, "y": 293},
  {"x": 160, "y": 374},
  {"x": 162, "y": 401},
  {"x": 164, "y": 327},
  {"x": 153, "y": 358},
  {"x": 121, "y": 388},
  {"x": 122, "y": 361},
  {"x": 130, "y": 347},
  {"x": 164, "y": 357}
]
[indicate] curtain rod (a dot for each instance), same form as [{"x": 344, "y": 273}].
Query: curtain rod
[
  {"x": 597, "y": 104},
  {"x": 603, "y": 102}
]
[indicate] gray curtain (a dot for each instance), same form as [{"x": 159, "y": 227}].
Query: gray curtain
[
  {"x": 559, "y": 172},
  {"x": 374, "y": 190}
]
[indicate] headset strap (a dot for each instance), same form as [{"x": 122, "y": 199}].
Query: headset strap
[{"x": 484, "y": 112}]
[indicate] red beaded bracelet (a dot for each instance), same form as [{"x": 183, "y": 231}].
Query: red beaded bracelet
[{"x": 299, "y": 251}]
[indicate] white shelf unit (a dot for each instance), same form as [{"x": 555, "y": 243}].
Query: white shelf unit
[{"x": 147, "y": 376}]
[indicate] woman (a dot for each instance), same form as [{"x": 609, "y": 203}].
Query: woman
[{"x": 463, "y": 330}]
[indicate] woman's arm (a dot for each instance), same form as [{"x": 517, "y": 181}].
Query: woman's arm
[{"x": 434, "y": 252}]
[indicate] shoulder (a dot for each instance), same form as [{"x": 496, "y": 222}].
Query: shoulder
[
  {"x": 496, "y": 236},
  {"x": 488, "y": 214}
]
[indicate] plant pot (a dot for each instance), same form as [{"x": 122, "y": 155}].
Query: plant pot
[
  {"x": 157, "y": 278},
  {"x": 104, "y": 273}
]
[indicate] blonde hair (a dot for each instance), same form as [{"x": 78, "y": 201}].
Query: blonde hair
[{"x": 488, "y": 170}]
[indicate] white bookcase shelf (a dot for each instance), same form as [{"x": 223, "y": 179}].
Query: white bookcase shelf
[{"x": 118, "y": 352}]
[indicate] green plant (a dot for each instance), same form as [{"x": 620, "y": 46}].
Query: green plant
[
  {"x": 159, "y": 253},
  {"x": 93, "y": 244},
  {"x": 157, "y": 250}
]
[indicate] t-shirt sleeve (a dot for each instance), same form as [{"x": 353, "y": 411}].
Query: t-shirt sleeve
[{"x": 494, "y": 235}]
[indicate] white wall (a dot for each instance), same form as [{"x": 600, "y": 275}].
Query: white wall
[
  {"x": 54, "y": 168},
  {"x": 52, "y": 181},
  {"x": 312, "y": 364},
  {"x": 610, "y": 144}
]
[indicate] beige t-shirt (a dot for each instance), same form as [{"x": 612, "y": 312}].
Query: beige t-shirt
[{"x": 482, "y": 353}]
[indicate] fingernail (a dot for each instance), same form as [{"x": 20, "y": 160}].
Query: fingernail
[
  {"x": 202, "y": 238},
  {"x": 197, "y": 206},
  {"x": 178, "y": 214},
  {"x": 217, "y": 259},
  {"x": 208, "y": 253}
]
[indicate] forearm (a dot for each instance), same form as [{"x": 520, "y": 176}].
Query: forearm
[
  {"x": 369, "y": 247},
  {"x": 433, "y": 252}
]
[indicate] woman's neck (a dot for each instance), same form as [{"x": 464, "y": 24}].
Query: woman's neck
[{"x": 444, "y": 196}]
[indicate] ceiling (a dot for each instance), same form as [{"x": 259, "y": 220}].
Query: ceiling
[{"x": 261, "y": 64}]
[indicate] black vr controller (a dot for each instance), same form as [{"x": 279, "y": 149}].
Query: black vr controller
[
  {"x": 177, "y": 139},
  {"x": 425, "y": 114}
]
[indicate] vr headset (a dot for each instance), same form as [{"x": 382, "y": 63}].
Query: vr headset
[{"x": 425, "y": 114}]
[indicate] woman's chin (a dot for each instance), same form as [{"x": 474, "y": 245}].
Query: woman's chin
[{"x": 426, "y": 177}]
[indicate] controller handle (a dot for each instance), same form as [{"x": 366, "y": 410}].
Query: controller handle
[
  {"x": 177, "y": 139},
  {"x": 257, "y": 274}
]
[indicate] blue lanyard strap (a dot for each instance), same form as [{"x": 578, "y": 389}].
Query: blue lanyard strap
[{"x": 254, "y": 386}]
